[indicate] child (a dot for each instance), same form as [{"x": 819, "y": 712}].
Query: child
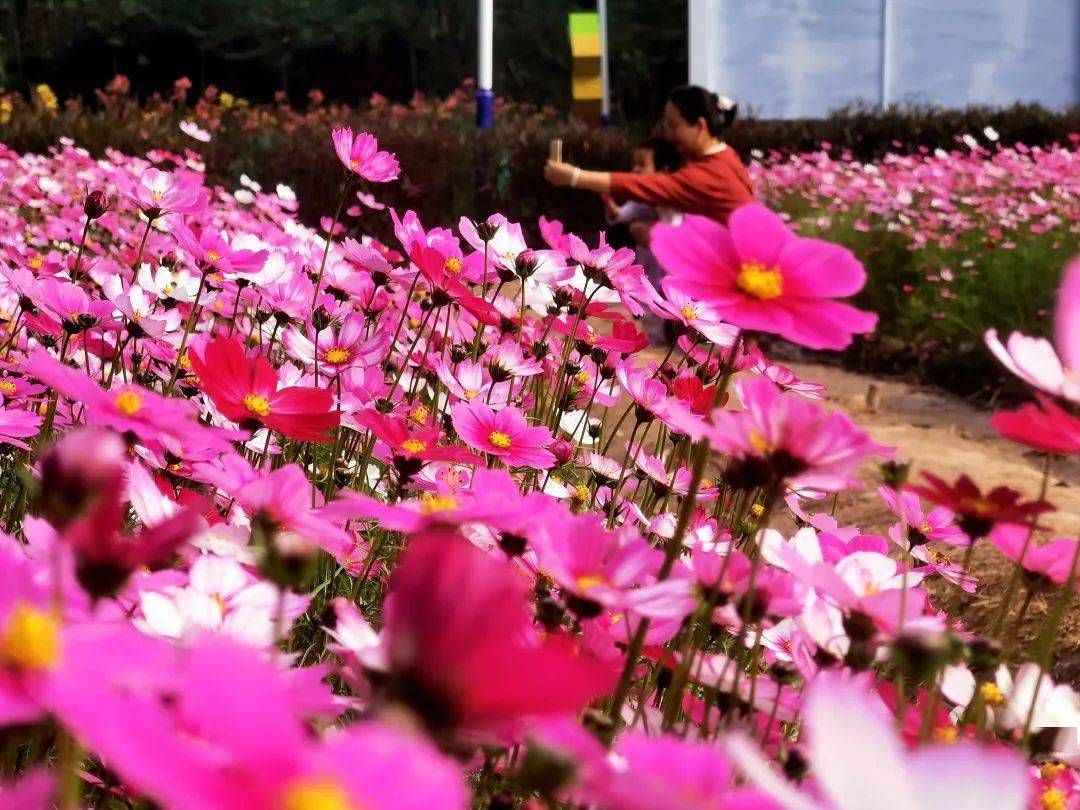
[{"x": 656, "y": 155}]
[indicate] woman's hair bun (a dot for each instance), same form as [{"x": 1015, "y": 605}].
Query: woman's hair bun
[{"x": 696, "y": 103}]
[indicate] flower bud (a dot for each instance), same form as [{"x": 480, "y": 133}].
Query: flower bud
[
  {"x": 320, "y": 318},
  {"x": 486, "y": 230},
  {"x": 97, "y": 203},
  {"x": 919, "y": 655},
  {"x": 525, "y": 264},
  {"x": 563, "y": 451},
  {"x": 895, "y": 473}
]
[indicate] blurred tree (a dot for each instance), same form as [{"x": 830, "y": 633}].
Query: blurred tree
[{"x": 346, "y": 48}]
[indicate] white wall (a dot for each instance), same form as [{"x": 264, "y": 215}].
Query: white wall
[{"x": 795, "y": 58}]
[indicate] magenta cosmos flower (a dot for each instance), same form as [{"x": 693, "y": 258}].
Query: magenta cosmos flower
[
  {"x": 360, "y": 155},
  {"x": 467, "y": 658},
  {"x": 157, "y": 192},
  {"x": 785, "y": 436},
  {"x": 756, "y": 274},
  {"x": 504, "y": 434}
]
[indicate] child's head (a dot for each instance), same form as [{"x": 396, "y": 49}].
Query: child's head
[{"x": 655, "y": 155}]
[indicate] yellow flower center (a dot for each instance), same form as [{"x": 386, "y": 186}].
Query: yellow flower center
[
  {"x": 945, "y": 734},
  {"x": 7, "y": 387},
  {"x": 452, "y": 265},
  {"x": 419, "y": 414},
  {"x": 689, "y": 311},
  {"x": 757, "y": 510},
  {"x": 499, "y": 439},
  {"x": 128, "y": 403},
  {"x": 759, "y": 442},
  {"x": 257, "y": 404},
  {"x": 36, "y": 262},
  {"x": 1052, "y": 799},
  {"x": 185, "y": 362},
  {"x": 316, "y": 794},
  {"x": 760, "y": 282},
  {"x": 157, "y": 195},
  {"x": 353, "y": 164},
  {"x": 589, "y": 581},
  {"x": 437, "y": 503},
  {"x": 219, "y": 602},
  {"x": 213, "y": 256},
  {"x": 336, "y": 355},
  {"x": 581, "y": 493},
  {"x": 582, "y": 378},
  {"x": 471, "y": 395},
  {"x": 1051, "y": 770},
  {"x": 991, "y": 695},
  {"x": 414, "y": 445},
  {"x": 30, "y": 639},
  {"x": 926, "y": 528}
]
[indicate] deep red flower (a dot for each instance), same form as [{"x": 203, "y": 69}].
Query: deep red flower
[
  {"x": 245, "y": 390},
  {"x": 977, "y": 512},
  {"x": 459, "y": 648}
]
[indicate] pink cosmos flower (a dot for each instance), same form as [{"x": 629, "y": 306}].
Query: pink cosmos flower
[
  {"x": 336, "y": 349},
  {"x": 71, "y": 305},
  {"x": 647, "y": 772},
  {"x": 599, "y": 569},
  {"x": 758, "y": 275},
  {"x": 857, "y": 758},
  {"x": 282, "y": 501},
  {"x": 125, "y": 408},
  {"x": 209, "y": 250},
  {"x": 191, "y": 739},
  {"x": 193, "y": 130},
  {"x": 650, "y": 396},
  {"x": 504, "y": 434},
  {"x": 157, "y": 192},
  {"x": 469, "y": 380},
  {"x": 17, "y": 425},
  {"x": 1034, "y": 360},
  {"x": 935, "y": 526},
  {"x": 360, "y": 155},
  {"x": 793, "y": 438},
  {"x": 1051, "y": 560}
]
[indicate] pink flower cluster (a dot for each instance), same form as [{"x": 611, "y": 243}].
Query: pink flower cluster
[{"x": 296, "y": 520}]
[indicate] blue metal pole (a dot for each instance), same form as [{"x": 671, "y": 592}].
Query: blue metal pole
[{"x": 485, "y": 96}]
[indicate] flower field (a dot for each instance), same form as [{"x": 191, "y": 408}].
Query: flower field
[
  {"x": 301, "y": 519},
  {"x": 955, "y": 242}
]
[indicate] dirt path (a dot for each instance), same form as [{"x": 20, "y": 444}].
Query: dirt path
[{"x": 942, "y": 434}]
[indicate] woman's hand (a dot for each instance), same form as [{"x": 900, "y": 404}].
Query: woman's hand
[
  {"x": 558, "y": 173},
  {"x": 611, "y": 211}
]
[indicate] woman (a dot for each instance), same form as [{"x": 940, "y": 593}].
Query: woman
[{"x": 712, "y": 182}]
